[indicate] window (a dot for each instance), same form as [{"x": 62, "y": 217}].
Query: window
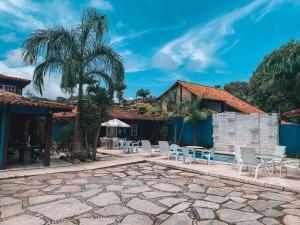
[
  {"x": 111, "y": 132},
  {"x": 133, "y": 130},
  {"x": 9, "y": 88}
]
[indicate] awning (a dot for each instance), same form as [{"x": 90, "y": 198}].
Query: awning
[{"x": 115, "y": 123}]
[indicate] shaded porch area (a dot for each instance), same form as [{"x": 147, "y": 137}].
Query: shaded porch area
[{"x": 25, "y": 130}]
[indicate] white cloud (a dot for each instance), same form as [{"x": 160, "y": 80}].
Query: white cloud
[
  {"x": 8, "y": 37},
  {"x": 21, "y": 11},
  {"x": 102, "y": 4},
  {"x": 14, "y": 57},
  {"x": 118, "y": 40},
  {"x": 31, "y": 15},
  {"x": 120, "y": 24},
  {"x": 197, "y": 48},
  {"x": 21, "y": 71},
  {"x": 172, "y": 77},
  {"x": 162, "y": 60},
  {"x": 12, "y": 65},
  {"x": 273, "y": 4},
  {"x": 133, "y": 62}
]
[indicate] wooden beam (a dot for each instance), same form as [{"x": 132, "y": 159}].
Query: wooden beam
[{"x": 48, "y": 127}]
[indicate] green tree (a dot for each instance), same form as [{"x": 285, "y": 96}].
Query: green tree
[
  {"x": 77, "y": 54},
  {"x": 275, "y": 83},
  {"x": 120, "y": 87},
  {"x": 143, "y": 93},
  {"x": 193, "y": 111},
  {"x": 239, "y": 89},
  {"x": 96, "y": 102}
]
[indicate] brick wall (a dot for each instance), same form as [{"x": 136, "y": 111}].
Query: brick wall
[{"x": 260, "y": 131}]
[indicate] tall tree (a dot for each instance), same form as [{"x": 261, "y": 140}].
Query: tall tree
[
  {"x": 95, "y": 112},
  {"x": 275, "y": 83},
  {"x": 239, "y": 89},
  {"x": 77, "y": 54},
  {"x": 120, "y": 87},
  {"x": 143, "y": 93},
  {"x": 193, "y": 111}
]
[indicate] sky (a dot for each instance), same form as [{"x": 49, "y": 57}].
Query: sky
[{"x": 208, "y": 42}]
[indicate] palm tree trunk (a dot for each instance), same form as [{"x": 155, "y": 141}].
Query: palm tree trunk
[
  {"x": 77, "y": 140},
  {"x": 96, "y": 138},
  {"x": 77, "y": 147},
  {"x": 195, "y": 133}
]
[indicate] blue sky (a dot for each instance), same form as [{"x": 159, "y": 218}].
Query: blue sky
[{"x": 208, "y": 42}]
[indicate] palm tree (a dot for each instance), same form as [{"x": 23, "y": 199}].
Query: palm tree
[
  {"x": 78, "y": 55},
  {"x": 143, "y": 93},
  {"x": 193, "y": 111}
]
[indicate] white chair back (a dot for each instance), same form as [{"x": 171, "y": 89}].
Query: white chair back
[
  {"x": 164, "y": 147},
  {"x": 237, "y": 152},
  {"x": 212, "y": 152},
  {"x": 121, "y": 143},
  {"x": 173, "y": 147},
  {"x": 185, "y": 151},
  {"x": 146, "y": 146},
  {"x": 279, "y": 151},
  {"x": 248, "y": 156},
  {"x": 127, "y": 144}
]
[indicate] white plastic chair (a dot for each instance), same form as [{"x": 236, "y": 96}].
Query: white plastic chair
[
  {"x": 146, "y": 146},
  {"x": 209, "y": 156},
  {"x": 248, "y": 156},
  {"x": 164, "y": 147},
  {"x": 127, "y": 147},
  {"x": 121, "y": 144},
  {"x": 186, "y": 153},
  {"x": 135, "y": 146},
  {"x": 279, "y": 158},
  {"x": 174, "y": 152},
  {"x": 237, "y": 155}
]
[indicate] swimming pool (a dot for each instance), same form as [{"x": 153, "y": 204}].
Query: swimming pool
[{"x": 219, "y": 157}]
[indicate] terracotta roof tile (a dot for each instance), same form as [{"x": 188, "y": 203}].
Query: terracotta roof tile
[
  {"x": 294, "y": 113},
  {"x": 220, "y": 95},
  {"x": 25, "y": 81},
  {"x": 14, "y": 99},
  {"x": 121, "y": 113},
  {"x": 113, "y": 112}
]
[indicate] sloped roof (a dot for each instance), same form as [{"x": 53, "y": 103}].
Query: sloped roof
[
  {"x": 292, "y": 114},
  {"x": 66, "y": 115},
  {"x": 21, "y": 80},
  {"x": 122, "y": 113},
  {"x": 218, "y": 95},
  {"x": 113, "y": 112},
  {"x": 14, "y": 99}
]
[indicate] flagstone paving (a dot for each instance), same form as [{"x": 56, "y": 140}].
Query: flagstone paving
[{"x": 142, "y": 194}]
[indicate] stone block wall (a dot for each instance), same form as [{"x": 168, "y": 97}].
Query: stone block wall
[{"x": 260, "y": 131}]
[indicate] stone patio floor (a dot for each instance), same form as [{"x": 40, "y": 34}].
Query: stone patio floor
[{"x": 142, "y": 194}]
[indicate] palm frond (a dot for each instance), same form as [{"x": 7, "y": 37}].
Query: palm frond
[
  {"x": 93, "y": 27},
  {"x": 46, "y": 67}
]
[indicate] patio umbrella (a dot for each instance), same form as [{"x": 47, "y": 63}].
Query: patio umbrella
[{"x": 115, "y": 123}]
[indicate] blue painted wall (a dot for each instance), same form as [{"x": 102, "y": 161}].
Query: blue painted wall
[
  {"x": 289, "y": 135},
  {"x": 204, "y": 132},
  {"x": 58, "y": 126}
]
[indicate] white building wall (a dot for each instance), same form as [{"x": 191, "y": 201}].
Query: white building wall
[{"x": 260, "y": 131}]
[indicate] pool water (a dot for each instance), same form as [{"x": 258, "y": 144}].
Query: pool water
[{"x": 219, "y": 157}]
